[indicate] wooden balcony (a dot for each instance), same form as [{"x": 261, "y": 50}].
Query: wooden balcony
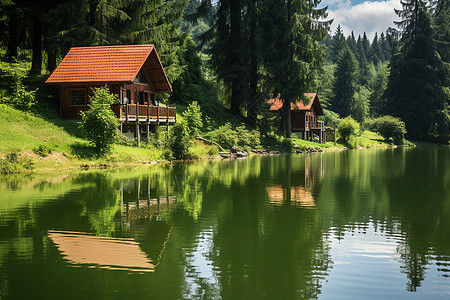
[
  {"x": 144, "y": 113},
  {"x": 315, "y": 125}
]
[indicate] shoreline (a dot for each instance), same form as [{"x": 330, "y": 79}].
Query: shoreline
[{"x": 42, "y": 165}]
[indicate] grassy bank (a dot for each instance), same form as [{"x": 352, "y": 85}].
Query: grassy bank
[
  {"x": 49, "y": 143},
  {"x": 39, "y": 140}
]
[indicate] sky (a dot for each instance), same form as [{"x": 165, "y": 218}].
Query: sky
[{"x": 362, "y": 16}]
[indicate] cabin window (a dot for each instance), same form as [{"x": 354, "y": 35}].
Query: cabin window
[{"x": 78, "y": 97}]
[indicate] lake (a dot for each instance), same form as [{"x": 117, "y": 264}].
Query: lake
[{"x": 357, "y": 224}]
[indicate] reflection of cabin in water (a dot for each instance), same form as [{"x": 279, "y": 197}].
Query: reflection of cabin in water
[
  {"x": 140, "y": 201},
  {"x": 300, "y": 195},
  {"x": 304, "y": 120},
  {"x": 133, "y": 72},
  {"x": 82, "y": 249}
]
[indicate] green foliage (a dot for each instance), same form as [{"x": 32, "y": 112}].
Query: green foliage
[
  {"x": 345, "y": 80},
  {"x": 193, "y": 117},
  {"x": 347, "y": 127},
  {"x": 15, "y": 163},
  {"x": 20, "y": 98},
  {"x": 42, "y": 150},
  {"x": 241, "y": 137},
  {"x": 179, "y": 141},
  {"x": 417, "y": 90},
  {"x": 330, "y": 118},
  {"x": 126, "y": 141},
  {"x": 99, "y": 123},
  {"x": 389, "y": 128}
]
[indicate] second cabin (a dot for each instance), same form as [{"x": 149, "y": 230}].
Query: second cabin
[
  {"x": 133, "y": 72},
  {"x": 304, "y": 122}
]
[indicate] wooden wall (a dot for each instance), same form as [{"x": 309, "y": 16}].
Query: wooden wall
[{"x": 69, "y": 111}]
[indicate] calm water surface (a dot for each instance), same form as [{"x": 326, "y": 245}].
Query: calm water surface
[{"x": 360, "y": 224}]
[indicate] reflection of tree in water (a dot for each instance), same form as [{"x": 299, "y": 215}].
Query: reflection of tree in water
[{"x": 263, "y": 250}]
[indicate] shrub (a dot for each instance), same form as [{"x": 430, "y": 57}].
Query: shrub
[
  {"x": 122, "y": 139},
  {"x": 99, "y": 123},
  {"x": 42, "y": 150},
  {"x": 247, "y": 138},
  {"x": 347, "y": 127},
  {"x": 226, "y": 137},
  {"x": 21, "y": 98},
  {"x": 14, "y": 163},
  {"x": 179, "y": 140},
  {"x": 193, "y": 117},
  {"x": 390, "y": 128}
]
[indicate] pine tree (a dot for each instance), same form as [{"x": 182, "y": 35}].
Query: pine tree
[
  {"x": 292, "y": 53},
  {"x": 351, "y": 42},
  {"x": 385, "y": 46},
  {"x": 376, "y": 100},
  {"x": 156, "y": 22},
  {"x": 338, "y": 43},
  {"x": 416, "y": 89},
  {"x": 376, "y": 51},
  {"x": 345, "y": 82}
]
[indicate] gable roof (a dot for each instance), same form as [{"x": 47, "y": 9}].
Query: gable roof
[
  {"x": 277, "y": 103},
  {"x": 110, "y": 64}
]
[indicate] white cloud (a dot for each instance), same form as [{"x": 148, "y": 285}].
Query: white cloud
[{"x": 369, "y": 17}]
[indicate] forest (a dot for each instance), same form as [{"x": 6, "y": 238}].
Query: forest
[{"x": 233, "y": 55}]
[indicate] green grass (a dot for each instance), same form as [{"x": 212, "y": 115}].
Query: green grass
[{"x": 21, "y": 131}]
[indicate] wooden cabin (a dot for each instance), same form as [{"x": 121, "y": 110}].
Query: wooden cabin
[
  {"x": 304, "y": 120},
  {"x": 133, "y": 72}
]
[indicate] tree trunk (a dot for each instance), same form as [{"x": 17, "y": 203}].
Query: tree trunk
[
  {"x": 11, "y": 52},
  {"x": 235, "y": 38},
  {"x": 287, "y": 118},
  {"x": 36, "y": 40},
  {"x": 252, "y": 100}
]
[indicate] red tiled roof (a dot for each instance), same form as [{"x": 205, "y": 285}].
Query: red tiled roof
[
  {"x": 277, "y": 103},
  {"x": 106, "y": 64}
]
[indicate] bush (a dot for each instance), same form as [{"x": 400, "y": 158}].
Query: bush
[
  {"x": 42, "y": 150},
  {"x": 226, "y": 137},
  {"x": 21, "y": 98},
  {"x": 99, "y": 123},
  {"x": 389, "y": 128},
  {"x": 247, "y": 138},
  {"x": 347, "y": 127},
  {"x": 179, "y": 140},
  {"x": 193, "y": 117},
  {"x": 14, "y": 163}
]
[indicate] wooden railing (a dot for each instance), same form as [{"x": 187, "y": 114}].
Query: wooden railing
[{"x": 137, "y": 112}]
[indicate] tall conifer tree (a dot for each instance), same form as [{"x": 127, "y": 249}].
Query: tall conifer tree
[
  {"x": 345, "y": 82},
  {"x": 292, "y": 32},
  {"x": 417, "y": 83}
]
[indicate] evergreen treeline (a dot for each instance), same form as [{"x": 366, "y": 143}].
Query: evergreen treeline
[
  {"x": 50, "y": 27},
  {"x": 402, "y": 73},
  {"x": 258, "y": 48}
]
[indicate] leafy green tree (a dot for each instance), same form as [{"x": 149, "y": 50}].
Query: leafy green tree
[
  {"x": 193, "y": 118},
  {"x": 390, "y": 128},
  {"x": 99, "y": 123},
  {"x": 345, "y": 81},
  {"x": 347, "y": 127},
  {"x": 179, "y": 140}
]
